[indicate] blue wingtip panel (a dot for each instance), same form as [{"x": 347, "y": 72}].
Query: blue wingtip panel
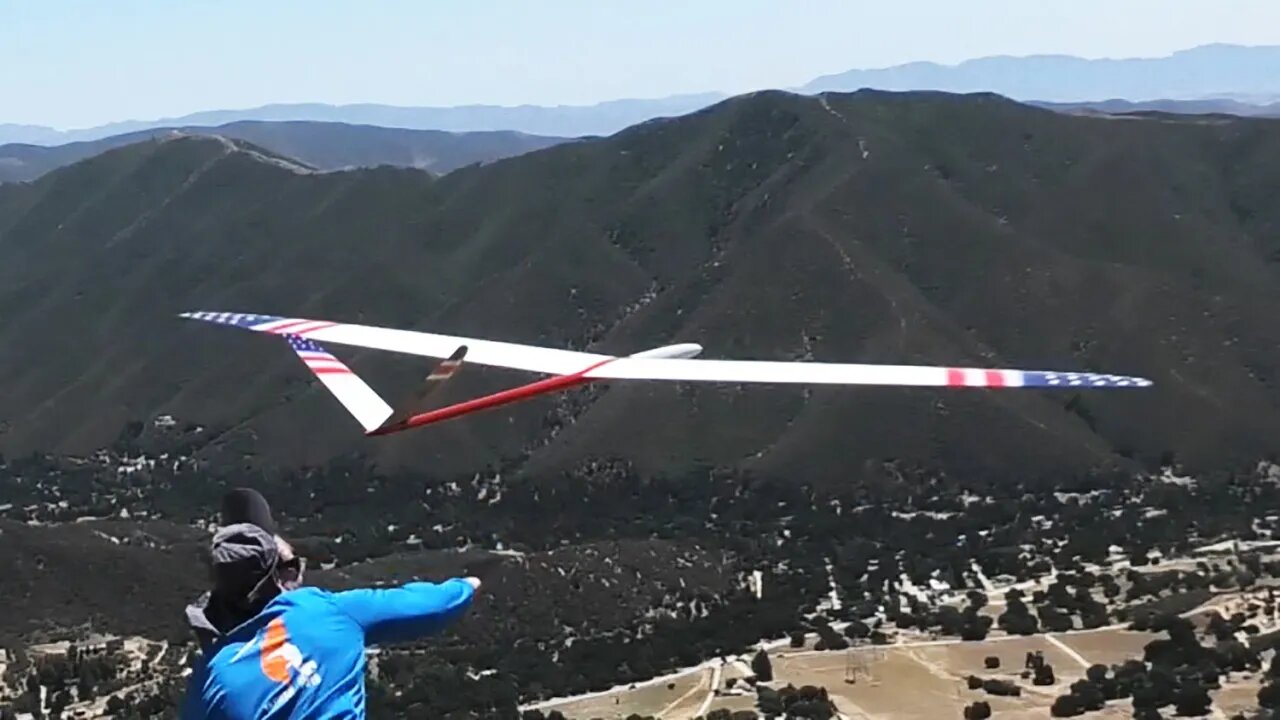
[
  {"x": 243, "y": 320},
  {"x": 1082, "y": 380}
]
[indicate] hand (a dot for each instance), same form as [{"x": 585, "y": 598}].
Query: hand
[{"x": 474, "y": 582}]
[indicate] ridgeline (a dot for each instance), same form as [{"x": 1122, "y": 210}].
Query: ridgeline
[{"x": 881, "y": 227}]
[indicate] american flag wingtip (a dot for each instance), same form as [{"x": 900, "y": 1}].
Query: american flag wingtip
[
  {"x": 250, "y": 321},
  {"x": 1085, "y": 380}
]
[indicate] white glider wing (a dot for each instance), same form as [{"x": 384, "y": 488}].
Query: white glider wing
[
  {"x": 531, "y": 358},
  {"x": 820, "y": 373},
  {"x": 552, "y": 361},
  {"x": 569, "y": 368}
]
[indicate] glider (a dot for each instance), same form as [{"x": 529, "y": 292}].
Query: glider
[{"x": 569, "y": 368}]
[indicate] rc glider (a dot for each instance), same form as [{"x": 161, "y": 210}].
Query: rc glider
[{"x": 569, "y": 368}]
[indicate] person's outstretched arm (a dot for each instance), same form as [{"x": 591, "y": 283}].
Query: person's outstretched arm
[{"x": 409, "y": 611}]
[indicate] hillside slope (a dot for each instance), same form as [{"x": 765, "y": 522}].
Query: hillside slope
[
  {"x": 918, "y": 228},
  {"x": 324, "y": 146}
]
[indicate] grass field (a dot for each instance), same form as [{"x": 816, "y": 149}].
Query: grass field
[
  {"x": 914, "y": 681},
  {"x": 1238, "y": 697},
  {"x": 1108, "y": 648},
  {"x": 930, "y": 680},
  {"x": 681, "y": 700},
  {"x": 918, "y": 677}
]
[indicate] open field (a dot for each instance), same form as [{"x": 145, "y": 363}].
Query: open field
[
  {"x": 1237, "y": 697},
  {"x": 1108, "y": 648},
  {"x": 910, "y": 681},
  {"x": 928, "y": 680},
  {"x": 682, "y": 699},
  {"x": 918, "y": 677}
]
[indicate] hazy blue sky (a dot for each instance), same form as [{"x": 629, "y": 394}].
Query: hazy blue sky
[{"x": 74, "y": 63}]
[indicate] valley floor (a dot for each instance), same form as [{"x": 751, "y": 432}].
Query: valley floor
[{"x": 914, "y": 679}]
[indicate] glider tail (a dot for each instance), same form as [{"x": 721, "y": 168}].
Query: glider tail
[
  {"x": 368, "y": 408},
  {"x": 446, "y": 369},
  {"x": 362, "y": 401}
]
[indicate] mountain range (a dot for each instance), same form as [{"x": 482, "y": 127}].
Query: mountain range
[
  {"x": 1208, "y": 71},
  {"x": 556, "y": 121},
  {"x": 881, "y": 227},
  {"x": 318, "y": 145},
  {"x": 328, "y": 146},
  {"x": 1214, "y": 106},
  {"x": 1242, "y": 75}
]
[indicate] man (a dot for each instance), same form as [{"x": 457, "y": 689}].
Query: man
[{"x": 274, "y": 649}]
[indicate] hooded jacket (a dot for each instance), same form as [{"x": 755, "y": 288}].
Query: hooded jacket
[{"x": 302, "y": 655}]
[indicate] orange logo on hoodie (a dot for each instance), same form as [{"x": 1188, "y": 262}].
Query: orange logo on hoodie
[
  {"x": 279, "y": 658},
  {"x": 275, "y": 654}
]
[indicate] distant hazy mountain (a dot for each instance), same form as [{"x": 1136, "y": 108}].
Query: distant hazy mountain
[
  {"x": 1219, "y": 106},
  {"x": 559, "y": 121},
  {"x": 35, "y": 134},
  {"x": 323, "y": 146},
  {"x": 1206, "y": 71},
  {"x": 1245, "y": 75}
]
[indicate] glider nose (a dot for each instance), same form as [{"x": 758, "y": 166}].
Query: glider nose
[{"x": 683, "y": 350}]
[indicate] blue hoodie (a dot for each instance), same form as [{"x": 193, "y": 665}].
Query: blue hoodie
[{"x": 303, "y": 654}]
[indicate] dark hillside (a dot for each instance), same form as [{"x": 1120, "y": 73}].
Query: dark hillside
[
  {"x": 920, "y": 228},
  {"x": 46, "y": 591}
]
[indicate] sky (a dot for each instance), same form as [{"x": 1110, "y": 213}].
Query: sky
[{"x": 79, "y": 63}]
